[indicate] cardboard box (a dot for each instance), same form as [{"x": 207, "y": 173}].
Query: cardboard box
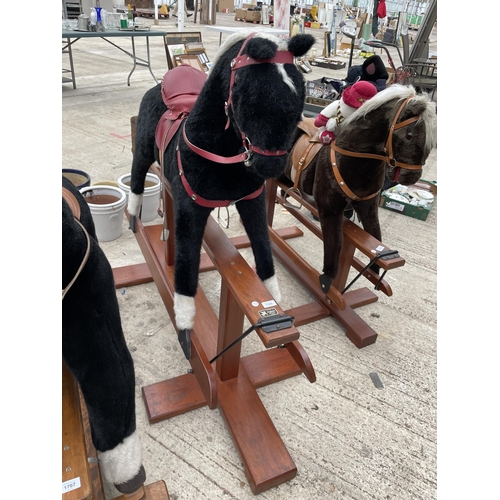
[
  {"x": 240, "y": 14},
  {"x": 390, "y": 78},
  {"x": 222, "y": 5},
  {"x": 253, "y": 16},
  {"x": 249, "y": 16},
  {"x": 316, "y": 25},
  {"x": 345, "y": 43},
  {"x": 416, "y": 212}
]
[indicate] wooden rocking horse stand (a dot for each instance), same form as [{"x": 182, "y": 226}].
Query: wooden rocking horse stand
[{"x": 231, "y": 384}]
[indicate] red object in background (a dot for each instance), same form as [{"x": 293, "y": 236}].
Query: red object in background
[{"x": 381, "y": 9}]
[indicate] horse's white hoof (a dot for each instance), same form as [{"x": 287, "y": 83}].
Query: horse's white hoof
[
  {"x": 123, "y": 462},
  {"x": 185, "y": 310},
  {"x": 134, "y": 203},
  {"x": 273, "y": 288}
]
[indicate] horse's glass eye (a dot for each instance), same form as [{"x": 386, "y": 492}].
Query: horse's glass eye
[{"x": 409, "y": 136}]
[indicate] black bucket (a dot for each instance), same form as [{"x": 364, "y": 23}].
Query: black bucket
[{"x": 79, "y": 178}]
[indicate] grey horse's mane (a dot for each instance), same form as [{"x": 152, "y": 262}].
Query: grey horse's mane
[
  {"x": 241, "y": 35},
  {"x": 401, "y": 92}
]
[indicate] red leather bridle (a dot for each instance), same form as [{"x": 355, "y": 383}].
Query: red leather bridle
[{"x": 241, "y": 61}]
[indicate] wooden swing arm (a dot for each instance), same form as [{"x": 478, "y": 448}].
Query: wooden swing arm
[
  {"x": 244, "y": 285},
  {"x": 353, "y": 235}
]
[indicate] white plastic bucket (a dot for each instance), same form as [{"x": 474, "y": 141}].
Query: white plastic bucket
[
  {"x": 107, "y": 206},
  {"x": 151, "y": 197}
]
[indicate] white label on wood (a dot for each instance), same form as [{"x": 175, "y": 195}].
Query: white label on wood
[
  {"x": 71, "y": 485},
  {"x": 269, "y": 303}
]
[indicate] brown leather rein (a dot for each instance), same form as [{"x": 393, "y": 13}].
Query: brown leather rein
[
  {"x": 75, "y": 209},
  {"x": 388, "y": 157}
]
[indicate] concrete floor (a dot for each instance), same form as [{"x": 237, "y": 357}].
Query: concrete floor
[{"x": 348, "y": 438}]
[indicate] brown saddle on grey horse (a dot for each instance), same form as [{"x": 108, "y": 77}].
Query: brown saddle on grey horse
[{"x": 305, "y": 149}]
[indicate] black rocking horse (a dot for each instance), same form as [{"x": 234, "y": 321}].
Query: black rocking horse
[
  {"x": 237, "y": 135},
  {"x": 391, "y": 135},
  {"x": 94, "y": 347}
]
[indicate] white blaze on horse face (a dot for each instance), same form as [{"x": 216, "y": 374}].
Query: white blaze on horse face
[
  {"x": 123, "y": 462},
  {"x": 134, "y": 203},
  {"x": 273, "y": 288},
  {"x": 286, "y": 78},
  {"x": 185, "y": 310}
]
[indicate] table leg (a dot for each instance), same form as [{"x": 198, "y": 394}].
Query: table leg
[
  {"x": 70, "y": 52},
  {"x": 149, "y": 59},
  {"x": 134, "y": 59}
]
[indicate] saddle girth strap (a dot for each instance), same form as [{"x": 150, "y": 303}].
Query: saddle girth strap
[
  {"x": 75, "y": 209},
  {"x": 199, "y": 199},
  {"x": 302, "y": 158},
  {"x": 350, "y": 194}
]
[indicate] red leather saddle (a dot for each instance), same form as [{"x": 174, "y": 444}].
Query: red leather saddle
[{"x": 180, "y": 88}]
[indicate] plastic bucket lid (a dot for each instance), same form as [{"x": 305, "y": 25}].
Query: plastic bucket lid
[
  {"x": 151, "y": 197},
  {"x": 107, "y": 206}
]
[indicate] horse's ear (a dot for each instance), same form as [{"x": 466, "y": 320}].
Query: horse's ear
[
  {"x": 415, "y": 107},
  {"x": 300, "y": 44},
  {"x": 261, "y": 48}
]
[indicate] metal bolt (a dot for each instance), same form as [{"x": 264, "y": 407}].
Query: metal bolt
[
  {"x": 68, "y": 469},
  {"x": 66, "y": 448}
]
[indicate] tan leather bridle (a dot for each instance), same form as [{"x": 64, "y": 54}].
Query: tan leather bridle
[{"x": 388, "y": 157}]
